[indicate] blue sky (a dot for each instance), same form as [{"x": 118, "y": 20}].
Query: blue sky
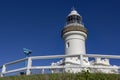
[{"x": 37, "y": 25}]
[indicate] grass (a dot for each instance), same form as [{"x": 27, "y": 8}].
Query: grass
[{"x": 66, "y": 76}]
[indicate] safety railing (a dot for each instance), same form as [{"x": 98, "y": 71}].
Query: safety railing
[{"x": 29, "y": 67}]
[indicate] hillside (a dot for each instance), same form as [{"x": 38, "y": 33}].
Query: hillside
[{"x": 66, "y": 76}]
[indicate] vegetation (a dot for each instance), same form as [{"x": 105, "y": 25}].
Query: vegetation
[{"x": 66, "y": 76}]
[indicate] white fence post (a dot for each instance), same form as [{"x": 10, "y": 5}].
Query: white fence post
[
  {"x": 3, "y": 70},
  {"x": 81, "y": 60},
  {"x": 43, "y": 71},
  {"x": 29, "y": 64}
]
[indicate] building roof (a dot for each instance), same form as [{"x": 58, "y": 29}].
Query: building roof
[{"x": 74, "y": 12}]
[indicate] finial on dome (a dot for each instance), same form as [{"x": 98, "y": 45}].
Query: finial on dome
[
  {"x": 73, "y": 12},
  {"x": 73, "y": 8}
]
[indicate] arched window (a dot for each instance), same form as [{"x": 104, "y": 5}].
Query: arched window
[{"x": 67, "y": 45}]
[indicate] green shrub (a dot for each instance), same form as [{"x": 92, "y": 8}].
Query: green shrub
[{"x": 66, "y": 76}]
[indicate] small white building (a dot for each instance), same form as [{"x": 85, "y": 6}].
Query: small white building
[{"x": 74, "y": 35}]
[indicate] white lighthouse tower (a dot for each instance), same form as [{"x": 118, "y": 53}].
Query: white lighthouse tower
[{"x": 74, "y": 35}]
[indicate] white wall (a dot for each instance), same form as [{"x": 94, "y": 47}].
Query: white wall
[{"x": 75, "y": 42}]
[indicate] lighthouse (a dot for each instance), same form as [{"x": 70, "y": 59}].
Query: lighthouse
[{"x": 74, "y": 34}]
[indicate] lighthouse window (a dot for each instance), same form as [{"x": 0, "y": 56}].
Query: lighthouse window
[
  {"x": 73, "y": 19},
  {"x": 67, "y": 45}
]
